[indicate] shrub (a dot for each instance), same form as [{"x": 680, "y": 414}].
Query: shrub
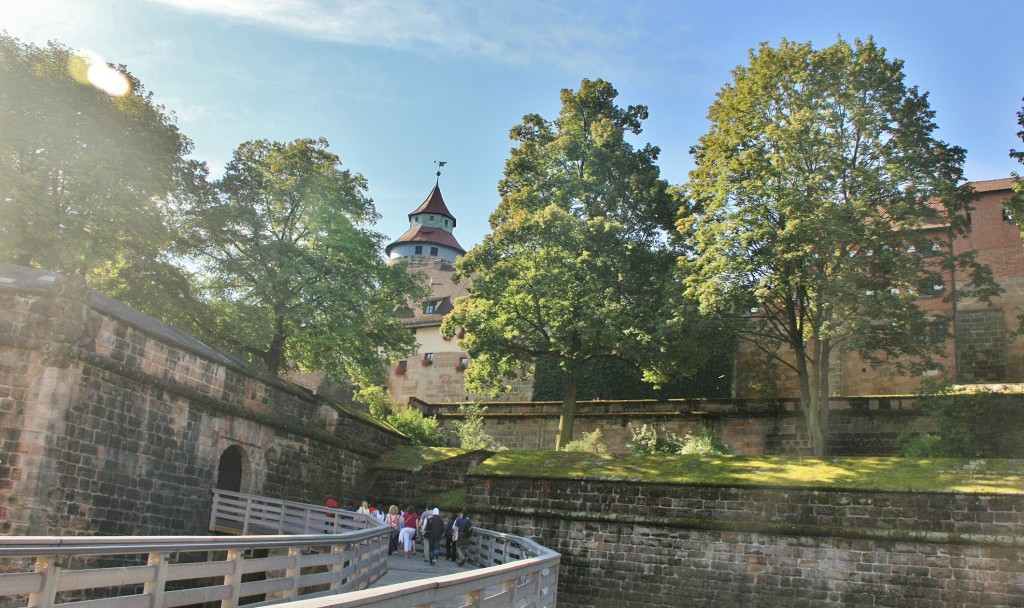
[
  {"x": 420, "y": 429},
  {"x": 590, "y": 442},
  {"x": 646, "y": 440},
  {"x": 471, "y": 429},
  {"x": 974, "y": 424},
  {"x": 702, "y": 440},
  {"x": 376, "y": 399}
]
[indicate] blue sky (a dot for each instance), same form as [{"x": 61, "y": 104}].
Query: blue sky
[{"x": 396, "y": 85}]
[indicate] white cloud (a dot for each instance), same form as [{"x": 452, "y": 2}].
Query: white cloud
[{"x": 516, "y": 33}]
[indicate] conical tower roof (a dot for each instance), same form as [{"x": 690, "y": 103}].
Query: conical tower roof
[
  {"x": 434, "y": 204},
  {"x": 430, "y": 233}
]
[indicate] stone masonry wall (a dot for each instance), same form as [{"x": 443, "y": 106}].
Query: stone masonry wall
[
  {"x": 631, "y": 545},
  {"x": 858, "y": 425},
  {"x": 981, "y": 345},
  {"x": 402, "y": 486},
  {"x": 114, "y": 423}
]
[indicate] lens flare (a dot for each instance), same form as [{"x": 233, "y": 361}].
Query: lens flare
[{"x": 87, "y": 67}]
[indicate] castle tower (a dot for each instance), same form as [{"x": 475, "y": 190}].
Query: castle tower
[
  {"x": 430, "y": 232},
  {"x": 435, "y": 374}
]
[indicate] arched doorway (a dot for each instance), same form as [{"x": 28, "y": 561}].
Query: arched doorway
[{"x": 229, "y": 472}]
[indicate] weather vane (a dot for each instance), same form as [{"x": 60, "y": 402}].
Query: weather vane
[{"x": 440, "y": 163}]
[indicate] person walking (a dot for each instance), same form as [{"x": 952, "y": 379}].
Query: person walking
[
  {"x": 408, "y": 531},
  {"x": 421, "y": 526},
  {"x": 462, "y": 529},
  {"x": 433, "y": 532},
  {"x": 394, "y": 522},
  {"x": 449, "y": 542}
]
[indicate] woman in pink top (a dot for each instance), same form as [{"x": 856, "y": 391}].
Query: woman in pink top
[{"x": 408, "y": 531}]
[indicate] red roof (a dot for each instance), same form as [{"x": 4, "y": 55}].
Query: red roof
[
  {"x": 426, "y": 234},
  {"x": 434, "y": 204},
  {"x": 993, "y": 185}
]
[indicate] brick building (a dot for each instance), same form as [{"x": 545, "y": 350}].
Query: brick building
[
  {"x": 982, "y": 347},
  {"x": 435, "y": 373}
]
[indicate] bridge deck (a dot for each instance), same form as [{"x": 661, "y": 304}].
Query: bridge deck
[{"x": 403, "y": 570}]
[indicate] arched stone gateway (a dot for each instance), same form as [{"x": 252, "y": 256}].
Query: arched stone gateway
[{"x": 230, "y": 470}]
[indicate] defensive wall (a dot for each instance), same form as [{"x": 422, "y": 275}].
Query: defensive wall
[
  {"x": 113, "y": 423},
  {"x": 640, "y": 544},
  {"x": 857, "y": 425}
]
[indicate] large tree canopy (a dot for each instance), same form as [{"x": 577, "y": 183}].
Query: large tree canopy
[
  {"x": 291, "y": 269},
  {"x": 86, "y": 177},
  {"x": 577, "y": 267},
  {"x": 819, "y": 197}
]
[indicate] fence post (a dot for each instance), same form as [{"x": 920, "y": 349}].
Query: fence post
[
  {"x": 155, "y": 587},
  {"x": 47, "y": 565},
  {"x": 234, "y": 579},
  {"x": 293, "y": 572}
]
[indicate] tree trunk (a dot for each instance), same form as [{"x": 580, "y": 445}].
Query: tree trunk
[
  {"x": 568, "y": 417},
  {"x": 817, "y": 403},
  {"x": 810, "y": 401}
]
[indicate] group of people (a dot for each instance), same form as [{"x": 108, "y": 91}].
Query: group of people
[
  {"x": 407, "y": 527},
  {"x": 429, "y": 527}
]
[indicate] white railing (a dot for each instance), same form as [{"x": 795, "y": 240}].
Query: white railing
[
  {"x": 238, "y": 513},
  {"x": 168, "y": 571},
  {"x": 332, "y": 566}
]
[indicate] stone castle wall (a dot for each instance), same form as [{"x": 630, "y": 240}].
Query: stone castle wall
[
  {"x": 633, "y": 545},
  {"x": 114, "y": 423},
  {"x": 858, "y": 425}
]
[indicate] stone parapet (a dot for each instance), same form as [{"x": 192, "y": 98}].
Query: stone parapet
[{"x": 112, "y": 422}]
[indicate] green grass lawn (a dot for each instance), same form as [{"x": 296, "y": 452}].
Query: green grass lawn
[{"x": 868, "y": 473}]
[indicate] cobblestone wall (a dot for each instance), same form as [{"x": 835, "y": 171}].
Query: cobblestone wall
[
  {"x": 646, "y": 546},
  {"x": 114, "y": 423}
]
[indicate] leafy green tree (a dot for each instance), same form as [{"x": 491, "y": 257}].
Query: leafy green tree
[
  {"x": 291, "y": 269},
  {"x": 1016, "y": 204},
  {"x": 89, "y": 178},
  {"x": 819, "y": 196},
  {"x": 578, "y": 266}
]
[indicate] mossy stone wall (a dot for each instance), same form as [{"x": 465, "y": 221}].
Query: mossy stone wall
[
  {"x": 858, "y": 425},
  {"x": 646, "y": 546}
]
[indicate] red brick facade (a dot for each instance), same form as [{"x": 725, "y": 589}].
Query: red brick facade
[{"x": 982, "y": 349}]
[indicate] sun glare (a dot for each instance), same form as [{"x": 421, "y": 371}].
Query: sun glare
[{"x": 87, "y": 67}]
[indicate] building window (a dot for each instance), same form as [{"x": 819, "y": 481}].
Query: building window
[
  {"x": 431, "y": 218},
  {"x": 418, "y": 250},
  {"x": 430, "y": 308},
  {"x": 1007, "y": 215},
  {"x": 446, "y": 222},
  {"x": 429, "y": 357},
  {"x": 403, "y": 365},
  {"x": 929, "y": 287},
  {"x": 433, "y": 251}
]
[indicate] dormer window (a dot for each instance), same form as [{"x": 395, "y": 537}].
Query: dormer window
[{"x": 430, "y": 308}]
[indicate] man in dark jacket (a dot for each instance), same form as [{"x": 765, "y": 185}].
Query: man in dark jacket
[
  {"x": 462, "y": 529},
  {"x": 433, "y": 532}
]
